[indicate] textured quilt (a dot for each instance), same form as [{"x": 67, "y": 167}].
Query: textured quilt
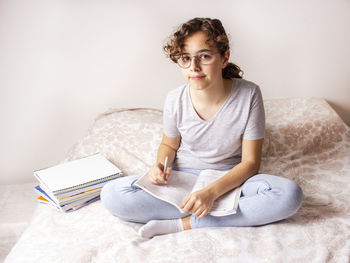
[{"x": 305, "y": 141}]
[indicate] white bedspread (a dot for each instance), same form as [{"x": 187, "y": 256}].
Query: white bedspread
[{"x": 305, "y": 141}]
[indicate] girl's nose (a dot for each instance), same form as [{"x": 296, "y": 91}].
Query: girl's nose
[{"x": 195, "y": 65}]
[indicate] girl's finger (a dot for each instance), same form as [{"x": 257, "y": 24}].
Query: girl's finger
[
  {"x": 185, "y": 201},
  {"x": 158, "y": 181},
  {"x": 188, "y": 206},
  {"x": 160, "y": 178},
  {"x": 198, "y": 212},
  {"x": 195, "y": 208},
  {"x": 167, "y": 173},
  {"x": 203, "y": 214}
]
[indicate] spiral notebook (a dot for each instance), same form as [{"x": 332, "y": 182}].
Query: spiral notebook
[{"x": 77, "y": 174}]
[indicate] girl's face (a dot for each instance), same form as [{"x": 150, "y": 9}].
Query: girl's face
[{"x": 202, "y": 76}]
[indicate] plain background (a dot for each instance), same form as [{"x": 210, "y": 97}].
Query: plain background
[{"x": 63, "y": 62}]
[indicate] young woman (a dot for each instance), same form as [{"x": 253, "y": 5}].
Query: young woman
[{"x": 215, "y": 121}]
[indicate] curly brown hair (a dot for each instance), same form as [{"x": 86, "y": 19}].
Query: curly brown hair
[{"x": 217, "y": 37}]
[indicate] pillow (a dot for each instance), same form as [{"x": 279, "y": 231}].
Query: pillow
[
  {"x": 127, "y": 137},
  {"x": 301, "y": 126}
]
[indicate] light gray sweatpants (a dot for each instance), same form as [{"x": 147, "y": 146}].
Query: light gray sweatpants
[{"x": 265, "y": 199}]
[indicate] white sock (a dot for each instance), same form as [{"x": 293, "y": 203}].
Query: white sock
[{"x": 161, "y": 227}]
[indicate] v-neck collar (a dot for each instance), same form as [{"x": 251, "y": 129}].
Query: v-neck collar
[{"x": 217, "y": 112}]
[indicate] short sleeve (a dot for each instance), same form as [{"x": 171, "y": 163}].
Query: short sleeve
[
  {"x": 169, "y": 118},
  {"x": 255, "y": 128}
]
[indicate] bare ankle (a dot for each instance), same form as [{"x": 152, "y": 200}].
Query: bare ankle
[{"x": 186, "y": 222}]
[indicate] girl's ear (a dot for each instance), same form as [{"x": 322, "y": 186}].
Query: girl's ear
[{"x": 226, "y": 58}]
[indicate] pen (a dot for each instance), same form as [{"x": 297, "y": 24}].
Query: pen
[{"x": 165, "y": 165}]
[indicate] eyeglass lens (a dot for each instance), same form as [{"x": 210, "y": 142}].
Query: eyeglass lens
[{"x": 203, "y": 58}]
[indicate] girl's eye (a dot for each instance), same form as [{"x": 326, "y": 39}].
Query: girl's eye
[
  {"x": 204, "y": 57},
  {"x": 185, "y": 58}
]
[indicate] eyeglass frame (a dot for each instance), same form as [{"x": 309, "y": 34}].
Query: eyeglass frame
[{"x": 197, "y": 58}]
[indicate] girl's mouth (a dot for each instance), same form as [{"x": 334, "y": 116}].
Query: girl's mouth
[{"x": 196, "y": 77}]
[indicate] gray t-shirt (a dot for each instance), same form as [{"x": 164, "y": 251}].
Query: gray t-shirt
[{"x": 215, "y": 143}]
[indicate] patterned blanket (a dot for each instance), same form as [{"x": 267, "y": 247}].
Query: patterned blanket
[{"x": 305, "y": 141}]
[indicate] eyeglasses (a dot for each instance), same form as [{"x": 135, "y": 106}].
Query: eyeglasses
[{"x": 203, "y": 58}]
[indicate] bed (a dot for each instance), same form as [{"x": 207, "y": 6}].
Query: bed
[{"x": 306, "y": 141}]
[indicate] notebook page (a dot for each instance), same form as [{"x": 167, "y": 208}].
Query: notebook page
[
  {"x": 225, "y": 204},
  {"x": 179, "y": 186}
]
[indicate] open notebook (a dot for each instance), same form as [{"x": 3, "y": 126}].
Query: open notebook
[{"x": 181, "y": 184}]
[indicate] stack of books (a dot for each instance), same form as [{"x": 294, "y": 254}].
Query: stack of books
[{"x": 74, "y": 184}]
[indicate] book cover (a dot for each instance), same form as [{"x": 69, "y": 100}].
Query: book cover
[{"x": 77, "y": 174}]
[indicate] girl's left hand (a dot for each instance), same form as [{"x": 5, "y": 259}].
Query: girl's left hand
[{"x": 198, "y": 203}]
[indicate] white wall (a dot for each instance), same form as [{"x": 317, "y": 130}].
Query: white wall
[{"x": 62, "y": 62}]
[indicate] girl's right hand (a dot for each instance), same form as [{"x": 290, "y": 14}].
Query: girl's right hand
[{"x": 156, "y": 175}]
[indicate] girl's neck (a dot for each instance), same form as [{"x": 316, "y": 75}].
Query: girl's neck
[{"x": 214, "y": 95}]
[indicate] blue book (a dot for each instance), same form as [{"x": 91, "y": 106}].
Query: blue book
[{"x": 44, "y": 194}]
